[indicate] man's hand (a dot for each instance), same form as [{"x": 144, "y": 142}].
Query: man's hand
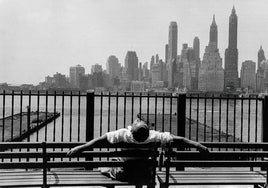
[
  {"x": 73, "y": 151},
  {"x": 203, "y": 149}
]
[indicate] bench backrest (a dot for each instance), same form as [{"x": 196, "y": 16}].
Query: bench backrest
[
  {"x": 53, "y": 155},
  {"x": 221, "y": 155}
]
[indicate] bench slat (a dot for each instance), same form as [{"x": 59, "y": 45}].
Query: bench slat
[{"x": 213, "y": 177}]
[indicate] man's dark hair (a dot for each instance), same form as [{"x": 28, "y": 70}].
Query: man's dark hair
[{"x": 140, "y": 131}]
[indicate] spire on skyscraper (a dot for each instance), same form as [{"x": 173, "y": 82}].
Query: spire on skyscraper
[
  {"x": 233, "y": 10},
  {"x": 213, "y": 21},
  {"x": 213, "y": 34},
  {"x": 261, "y": 56}
]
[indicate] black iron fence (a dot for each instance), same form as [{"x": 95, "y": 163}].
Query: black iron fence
[{"x": 75, "y": 116}]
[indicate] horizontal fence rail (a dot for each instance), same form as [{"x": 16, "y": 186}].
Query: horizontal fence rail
[{"x": 79, "y": 117}]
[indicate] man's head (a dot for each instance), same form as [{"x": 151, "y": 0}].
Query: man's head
[{"x": 140, "y": 130}]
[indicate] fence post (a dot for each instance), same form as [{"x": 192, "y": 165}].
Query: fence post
[
  {"x": 264, "y": 123},
  {"x": 89, "y": 120},
  {"x": 181, "y": 115},
  {"x": 265, "y": 119},
  {"x": 90, "y": 116}
]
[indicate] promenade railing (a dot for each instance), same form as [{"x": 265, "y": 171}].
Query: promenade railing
[{"x": 83, "y": 116}]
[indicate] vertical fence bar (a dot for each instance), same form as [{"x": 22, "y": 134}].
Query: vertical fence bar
[
  {"x": 71, "y": 116},
  {"x": 212, "y": 117},
  {"x": 265, "y": 119},
  {"x": 79, "y": 114},
  {"x": 38, "y": 106},
  {"x": 220, "y": 119},
  {"x": 20, "y": 128},
  {"x": 116, "y": 112},
  {"x": 90, "y": 116},
  {"x": 227, "y": 118},
  {"x": 101, "y": 105},
  {"x": 163, "y": 112},
  {"x": 148, "y": 106},
  {"x": 140, "y": 104},
  {"x": 28, "y": 121},
  {"x": 170, "y": 114},
  {"x": 197, "y": 117},
  {"x": 205, "y": 118},
  {"x": 54, "y": 122},
  {"x": 4, "y": 107},
  {"x": 132, "y": 107},
  {"x": 155, "y": 112},
  {"x": 249, "y": 102},
  {"x": 234, "y": 131},
  {"x": 62, "y": 118},
  {"x": 190, "y": 116},
  {"x": 46, "y": 115},
  {"x": 125, "y": 106},
  {"x": 21, "y": 99},
  {"x": 109, "y": 111},
  {"x": 29, "y": 115},
  {"x": 256, "y": 119},
  {"x": 242, "y": 104},
  {"x": 12, "y": 115}
]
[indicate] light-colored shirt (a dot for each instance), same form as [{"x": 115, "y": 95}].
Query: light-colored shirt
[{"x": 125, "y": 135}]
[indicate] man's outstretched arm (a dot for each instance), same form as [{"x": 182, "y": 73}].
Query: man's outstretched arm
[
  {"x": 178, "y": 140},
  {"x": 97, "y": 141}
]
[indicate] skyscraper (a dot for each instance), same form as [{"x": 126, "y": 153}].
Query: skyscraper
[
  {"x": 261, "y": 56},
  {"x": 213, "y": 34},
  {"x": 131, "y": 65},
  {"x": 231, "y": 81},
  {"x": 211, "y": 73},
  {"x": 196, "y": 46},
  {"x": 166, "y": 53},
  {"x": 172, "y": 52},
  {"x": 75, "y": 73},
  {"x": 113, "y": 66},
  {"x": 248, "y": 75}
]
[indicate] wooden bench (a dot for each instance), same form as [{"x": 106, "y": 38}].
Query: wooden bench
[
  {"x": 226, "y": 164},
  {"x": 46, "y": 165}
]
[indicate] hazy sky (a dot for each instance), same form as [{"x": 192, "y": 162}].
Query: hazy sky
[{"x": 42, "y": 37}]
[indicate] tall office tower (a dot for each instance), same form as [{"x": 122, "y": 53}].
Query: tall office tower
[
  {"x": 211, "y": 73},
  {"x": 261, "y": 56},
  {"x": 131, "y": 65},
  {"x": 213, "y": 33},
  {"x": 172, "y": 53},
  {"x": 156, "y": 58},
  {"x": 152, "y": 62},
  {"x": 145, "y": 71},
  {"x": 75, "y": 73},
  {"x": 140, "y": 72},
  {"x": 166, "y": 53},
  {"x": 196, "y": 46},
  {"x": 231, "y": 81},
  {"x": 113, "y": 66},
  {"x": 262, "y": 77},
  {"x": 248, "y": 75}
]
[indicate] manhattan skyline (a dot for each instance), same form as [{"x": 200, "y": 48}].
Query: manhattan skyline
[{"x": 42, "y": 37}]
